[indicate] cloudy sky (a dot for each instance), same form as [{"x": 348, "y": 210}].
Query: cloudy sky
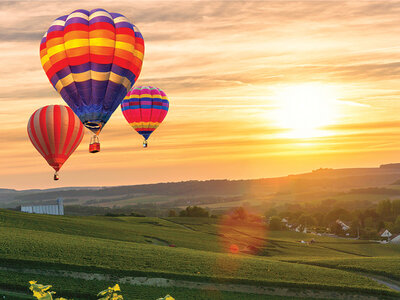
[{"x": 256, "y": 89}]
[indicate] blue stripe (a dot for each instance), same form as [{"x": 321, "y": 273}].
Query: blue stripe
[{"x": 145, "y": 107}]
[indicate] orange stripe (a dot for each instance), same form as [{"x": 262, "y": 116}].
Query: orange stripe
[
  {"x": 101, "y": 33},
  {"x": 54, "y": 42},
  {"x": 124, "y": 54},
  {"x": 104, "y": 51},
  {"x": 126, "y": 38},
  {"x": 76, "y": 34},
  {"x": 78, "y": 51}
]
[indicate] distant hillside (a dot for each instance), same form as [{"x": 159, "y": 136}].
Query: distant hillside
[{"x": 318, "y": 184}]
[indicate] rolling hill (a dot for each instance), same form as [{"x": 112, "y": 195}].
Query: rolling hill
[{"x": 372, "y": 183}]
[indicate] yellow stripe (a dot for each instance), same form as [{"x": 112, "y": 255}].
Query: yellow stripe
[
  {"x": 121, "y": 80},
  {"x": 44, "y": 59},
  {"x": 102, "y": 42},
  {"x": 67, "y": 80},
  {"x": 138, "y": 54},
  {"x": 125, "y": 46},
  {"x": 100, "y": 76},
  {"x": 137, "y": 97},
  {"x": 144, "y": 124},
  {"x": 140, "y": 96},
  {"x": 76, "y": 43},
  {"x": 56, "y": 49}
]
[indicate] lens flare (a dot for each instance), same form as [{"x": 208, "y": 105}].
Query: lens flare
[{"x": 242, "y": 232}]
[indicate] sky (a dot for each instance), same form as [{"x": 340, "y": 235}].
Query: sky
[{"x": 257, "y": 89}]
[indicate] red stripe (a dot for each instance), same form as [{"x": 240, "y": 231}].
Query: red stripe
[
  {"x": 43, "y": 45},
  {"x": 54, "y": 34},
  {"x": 71, "y": 125},
  {"x": 123, "y": 63},
  {"x": 43, "y": 128},
  {"x": 78, "y": 60},
  {"x": 145, "y": 129},
  {"x": 57, "y": 127},
  {"x": 101, "y": 25},
  {"x": 57, "y": 67},
  {"x": 101, "y": 59},
  {"x": 76, "y": 26},
  {"x": 124, "y": 30},
  {"x": 33, "y": 131},
  {"x": 78, "y": 139}
]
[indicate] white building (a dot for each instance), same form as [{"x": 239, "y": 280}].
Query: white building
[
  {"x": 395, "y": 239},
  {"x": 55, "y": 209},
  {"x": 343, "y": 225},
  {"x": 386, "y": 234}
]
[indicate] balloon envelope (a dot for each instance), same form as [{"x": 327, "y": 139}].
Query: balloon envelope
[
  {"x": 55, "y": 131},
  {"x": 144, "y": 108},
  {"x": 92, "y": 58}
]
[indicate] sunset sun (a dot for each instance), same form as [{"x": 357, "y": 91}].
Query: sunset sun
[{"x": 304, "y": 109}]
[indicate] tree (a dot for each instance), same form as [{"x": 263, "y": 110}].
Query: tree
[
  {"x": 275, "y": 223},
  {"x": 194, "y": 211},
  {"x": 396, "y": 226},
  {"x": 384, "y": 209},
  {"x": 396, "y": 208},
  {"x": 172, "y": 213},
  {"x": 307, "y": 220}
]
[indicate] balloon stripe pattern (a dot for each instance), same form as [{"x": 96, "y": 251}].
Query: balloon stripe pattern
[
  {"x": 92, "y": 58},
  {"x": 55, "y": 131},
  {"x": 144, "y": 108}
]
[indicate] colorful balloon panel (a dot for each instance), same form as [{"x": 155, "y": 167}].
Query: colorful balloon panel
[
  {"x": 144, "y": 108},
  {"x": 92, "y": 58},
  {"x": 55, "y": 131}
]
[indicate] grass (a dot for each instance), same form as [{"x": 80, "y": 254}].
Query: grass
[
  {"x": 120, "y": 246},
  {"x": 69, "y": 287},
  {"x": 386, "y": 266}
]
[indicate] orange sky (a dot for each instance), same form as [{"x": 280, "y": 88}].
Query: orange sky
[{"x": 227, "y": 68}]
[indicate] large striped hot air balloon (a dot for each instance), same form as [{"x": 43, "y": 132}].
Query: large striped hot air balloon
[
  {"x": 92, "y": 58},
  {"x": 145, "y": 107},
  {"x": 55, "y": 131}
]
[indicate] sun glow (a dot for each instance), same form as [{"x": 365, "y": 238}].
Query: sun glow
[{"x": 304, "y": 109}]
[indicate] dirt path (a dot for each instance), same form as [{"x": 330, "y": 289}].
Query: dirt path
[
  {"x": 390, "y": 283},
  {"x": 165, "y": 282}
]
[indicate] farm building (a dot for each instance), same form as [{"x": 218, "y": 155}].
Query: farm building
[
  {"x": 343, "y": 225},
  {"x": 395, "y": 239},
  {"x": 53, "y": 209},
  {"x": 384, "y": 233}
]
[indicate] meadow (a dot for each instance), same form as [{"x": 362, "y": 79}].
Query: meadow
[{"x": 56, "y": 249}]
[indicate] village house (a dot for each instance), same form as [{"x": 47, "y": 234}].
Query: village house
[{"x": 385, "y": 234}]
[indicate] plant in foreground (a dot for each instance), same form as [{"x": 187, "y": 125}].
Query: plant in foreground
[
  {"x": 111, "y": 293},
  {"x": 42, "y": 292}
]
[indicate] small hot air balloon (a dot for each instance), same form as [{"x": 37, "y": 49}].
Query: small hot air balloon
[
  {"x": 56, "y": 132},
  {"x": 92, "y": 58},
  {"x": 145, "y": 107}
]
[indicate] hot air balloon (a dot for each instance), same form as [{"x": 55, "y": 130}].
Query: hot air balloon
[
  {"x": 55, "y": 131},
  {"x": 145, "y": 107},
  {"x": 92, "y": 58}
]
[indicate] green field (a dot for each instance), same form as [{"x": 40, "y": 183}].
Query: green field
[{"x": 46, "y": 248}]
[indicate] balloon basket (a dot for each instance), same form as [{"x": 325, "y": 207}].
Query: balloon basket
[
  {"x": 56, "y": 177},
  {"x": 94, "y": 145},
  {"x": 145, "y": 144}
]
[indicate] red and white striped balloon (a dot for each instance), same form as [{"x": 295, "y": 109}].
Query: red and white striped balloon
[{"x": 56, "y": 132}]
